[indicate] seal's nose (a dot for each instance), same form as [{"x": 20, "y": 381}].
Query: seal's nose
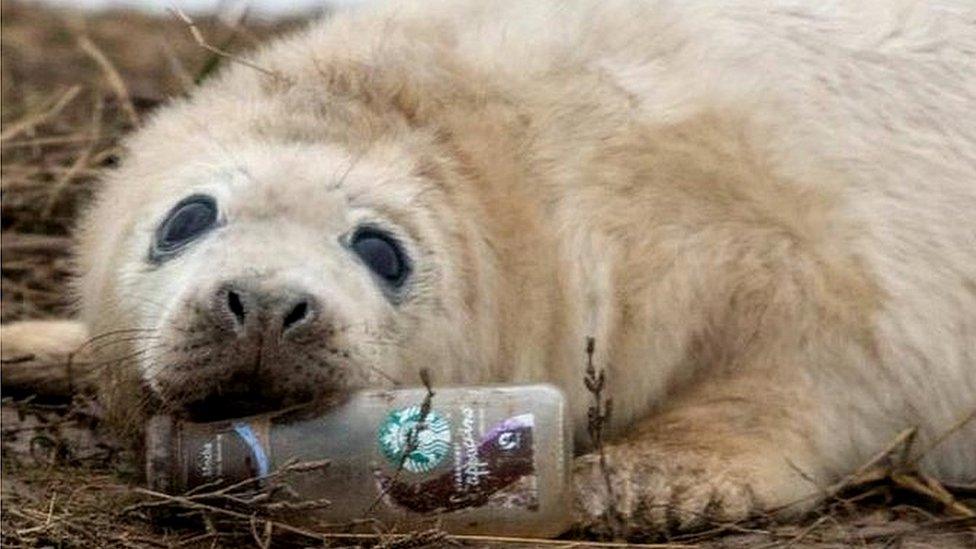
[{"x": 247, "y": 309}]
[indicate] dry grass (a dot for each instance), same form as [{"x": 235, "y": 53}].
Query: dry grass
[{"x": 72, "y": 85}]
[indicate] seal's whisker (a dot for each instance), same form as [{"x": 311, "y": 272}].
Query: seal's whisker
[
  {"x": 110, "y": 333},
  {"x": 142, "y": 299},
  {"x": 341, "y": 180},
  {"x": 384, "y": 375},
  {"x": 377, "y": 343},
  {"x": 123, "y": 358},
  {"x": 122, "y": 340}
]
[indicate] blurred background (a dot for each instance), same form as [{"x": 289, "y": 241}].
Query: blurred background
[{"x": 266, "y": 8}]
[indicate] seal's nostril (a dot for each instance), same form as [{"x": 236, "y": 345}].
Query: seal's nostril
[
  {"x": 236, "y": 306},
  {"x": 249, "y": 310},
  {"x": 296, "y": 315}
]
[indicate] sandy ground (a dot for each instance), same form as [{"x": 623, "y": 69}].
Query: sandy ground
[{"x": 72, "y": 85}]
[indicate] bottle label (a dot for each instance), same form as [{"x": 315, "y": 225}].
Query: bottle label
[
  {"x": 438, "y": 463},
  {"x": 418, "y": 450},
  {"x": 235, "y": 451}
]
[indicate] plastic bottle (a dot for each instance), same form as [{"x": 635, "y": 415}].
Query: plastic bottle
[{"x": 473, "y": 460}]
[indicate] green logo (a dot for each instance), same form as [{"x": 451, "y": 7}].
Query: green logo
[{"x": 432, "y": 439}]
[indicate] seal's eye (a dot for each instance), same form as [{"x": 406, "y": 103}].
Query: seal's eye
[
  {"x": 187, "y": 221},
  {"x": 382, "y": 254}
]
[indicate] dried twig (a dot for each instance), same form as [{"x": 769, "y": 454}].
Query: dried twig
[
  {"x": 35, "y": 243},
  {"x": 413, "y": 438},
  {"x": 81, "y": 162},
  {"x": 177, "y": 67},
  {"x": 598, "y": 419},
  {"x": 958, "y": 425},
  {"x": 114, "y": 78},
  {"x": 894, "y": 463},
  {"x": 31, "y": 121},
  {"x": 924, "y": 485},
  {"x": 263, "y": 541},
  {"x": 873, "y": 469},
  {"x": 202, "y": 42},
  {"x": 189, "y": 503},
  {"x": 253, "y": 493}
]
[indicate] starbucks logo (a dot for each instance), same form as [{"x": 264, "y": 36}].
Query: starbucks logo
[{"x": 433, "y": 439}]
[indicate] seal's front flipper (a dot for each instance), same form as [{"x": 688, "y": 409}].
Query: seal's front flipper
[
  {"x": 46, "y": 357},
  {"x": 731, "y": 450}
]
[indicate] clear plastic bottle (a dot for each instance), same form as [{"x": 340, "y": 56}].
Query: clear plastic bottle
[{"x": 474, "y": 460}]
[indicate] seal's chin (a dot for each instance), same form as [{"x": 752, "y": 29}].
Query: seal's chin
[
  {"x": 227, "y": 406},
  {"x": 230, "y": 406}
]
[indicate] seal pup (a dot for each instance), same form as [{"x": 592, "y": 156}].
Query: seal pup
[{"x": 762, "y": 213}]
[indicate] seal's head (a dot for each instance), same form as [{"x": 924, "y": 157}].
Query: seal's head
[
  {"x": 257, "y": 249},
  {"x": 350, "y": 205}
]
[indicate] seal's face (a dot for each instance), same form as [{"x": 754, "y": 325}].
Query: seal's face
[{"x": 281, "y": 274}]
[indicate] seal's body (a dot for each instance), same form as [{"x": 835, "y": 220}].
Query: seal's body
[{"x": 763, "y": 215}]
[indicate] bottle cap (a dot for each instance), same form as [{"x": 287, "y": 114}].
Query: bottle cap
[{"x": 159, "y": 453}]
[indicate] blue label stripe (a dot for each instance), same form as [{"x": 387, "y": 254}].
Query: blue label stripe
[{"x": 244, "y": 431}]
